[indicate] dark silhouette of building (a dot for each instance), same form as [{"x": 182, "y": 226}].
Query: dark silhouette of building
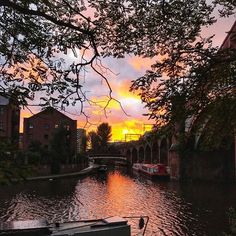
[
  {"x": 230, "y": 39},
  {"x": 9, "y": 120},
  {"x": 81, "y": 141},
  {"x": 20, "y": 141},
  {"x": 42, "y": 126}
]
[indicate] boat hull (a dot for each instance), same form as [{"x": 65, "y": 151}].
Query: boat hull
[
  {"x": 154, "y": 177},
  {"x": 115, "y": 226},
  {"x": 152, "y": 171}
]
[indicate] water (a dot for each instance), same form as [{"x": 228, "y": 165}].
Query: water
[{"x": 174, "y": 209}]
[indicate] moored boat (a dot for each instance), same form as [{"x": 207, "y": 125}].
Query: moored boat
[
  {"x": 102, "y": 168},
  {"x": 152, "y": 170},
  {"x": 114, "y": 226}
]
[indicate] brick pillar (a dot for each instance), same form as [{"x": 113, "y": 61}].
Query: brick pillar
[
  {"x": 235, "y": 156},
  {"x": 174, "y": 158},
  {"x": 151, "y": 155},
  {"x": 174, "y": 164},
  {"x": 159, "y": 151}
]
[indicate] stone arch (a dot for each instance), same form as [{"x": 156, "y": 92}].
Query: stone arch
[
  {"x": 134, "y": 154},
  {"x": 164, "y": 151},
  {"x": 129, "y": 156},
  {"x": 155, "y": 152},
  {"x": 169, "y": 141},
  {"x": 148, "y": 154},
  {"x": 141, "y": 154}
]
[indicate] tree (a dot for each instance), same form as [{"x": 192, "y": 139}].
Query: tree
[
  {"x": 201, "y": 94},
  {"x": 93, "y": 140},
  {"x": 36, "y": 34},
  {"x": 37, "y": 154},
  {"x": 104, "y": 134},
  {"x": 11, "y": 168},
  {"x": 99, "y": 140},
  {"x": 60, "y": 149}
]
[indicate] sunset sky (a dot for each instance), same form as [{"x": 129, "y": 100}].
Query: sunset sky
[{"x": 124, "y": 71}]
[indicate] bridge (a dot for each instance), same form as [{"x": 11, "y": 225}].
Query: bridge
[
  {"x": 108, "y": 159},
  {"x": 164, "y": 148}
]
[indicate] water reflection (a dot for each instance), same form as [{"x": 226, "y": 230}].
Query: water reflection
[
  {"x": 36, "y": 200},
  {"x": 174, "y": 209}
]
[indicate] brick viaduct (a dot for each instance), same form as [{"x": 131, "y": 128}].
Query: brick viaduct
[{"x": 201, "y": 166}]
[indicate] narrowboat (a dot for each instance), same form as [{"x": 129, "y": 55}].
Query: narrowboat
[
  {"x": 115, "y": 226},
  {"x": 153, "y": 171}
]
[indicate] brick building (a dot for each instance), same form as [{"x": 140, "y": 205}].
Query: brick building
[
  {"x": 81, "y": 141},
  {"x": 41, "y": 127},
  {"x": 230, "y": 40},
  {"x": 9, "y": 120}
]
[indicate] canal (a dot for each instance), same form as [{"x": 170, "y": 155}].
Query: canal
[{"x": 174, "y": 208}]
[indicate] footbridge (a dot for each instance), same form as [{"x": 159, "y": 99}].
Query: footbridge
[{"x": 108, "y": 159}]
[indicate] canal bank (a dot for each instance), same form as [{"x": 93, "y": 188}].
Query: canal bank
[{"x": 83, "y": 172}]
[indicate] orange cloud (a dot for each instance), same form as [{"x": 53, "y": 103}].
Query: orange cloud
[
  {"x": 131, "y": 128},
  {"x": 123, "y": 88},
  {"x": 140, "y": 64}
]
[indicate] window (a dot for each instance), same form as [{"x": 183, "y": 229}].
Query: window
[
  {"x": 31, "y": 126},
  {"x": 67, "y": 127},
  {"x": 46, "y": 126},
  {"x": 1, "y": 125},
  {"x": 1, "y": 110}
]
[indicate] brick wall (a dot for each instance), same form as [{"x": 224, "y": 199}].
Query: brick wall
[{"x": 41, "y": 127}]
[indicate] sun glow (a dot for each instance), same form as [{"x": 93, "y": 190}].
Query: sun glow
[{"x": 125, "y": 131}]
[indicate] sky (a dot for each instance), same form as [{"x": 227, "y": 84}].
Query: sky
[{"x": 130, "y": 121}]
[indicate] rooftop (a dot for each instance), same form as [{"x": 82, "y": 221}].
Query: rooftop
[{"x": 4, "y": 101}]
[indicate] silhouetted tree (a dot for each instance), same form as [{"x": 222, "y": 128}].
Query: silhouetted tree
[
  {"x": 60, "y": 148},
  {"x": 10, "y": 168},
  {"x": 37, "y": 154},
  {"x": 104, "y": 135},
  {"x": 36, "y": 34},
  {"x": 94, "y": 143},
  {"x": 99, "y": 140}
]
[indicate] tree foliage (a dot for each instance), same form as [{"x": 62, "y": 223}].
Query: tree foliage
[
  {"x": 37, "y": 154},
  {"x": 104, "y": 134},
  {"x": 99, "y": 140},
  {"x": 194, "y": 81},
  {"x": 35, "y": 36},
  {"x": 60, "y": 151},
  {"x": 93, "y": 140},
  {"x": 12, "y": 168}
]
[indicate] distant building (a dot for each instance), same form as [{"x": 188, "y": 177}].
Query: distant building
[
  {"x": 41, "y": 126},
  {"x": 9, "y": 120},
  {"x": 21, "y": 141},
  {"x": 81, "y": 141},
  {"x": 230, "y": 40}
]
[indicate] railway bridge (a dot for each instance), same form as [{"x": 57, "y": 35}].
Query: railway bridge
[{"x": 212, "y": 165}]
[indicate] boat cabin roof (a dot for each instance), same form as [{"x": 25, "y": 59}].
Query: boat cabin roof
[{"x": 153, "y": 165}]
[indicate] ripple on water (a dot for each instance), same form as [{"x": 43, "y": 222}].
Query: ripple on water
[{"x": 171, "y": 209}]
